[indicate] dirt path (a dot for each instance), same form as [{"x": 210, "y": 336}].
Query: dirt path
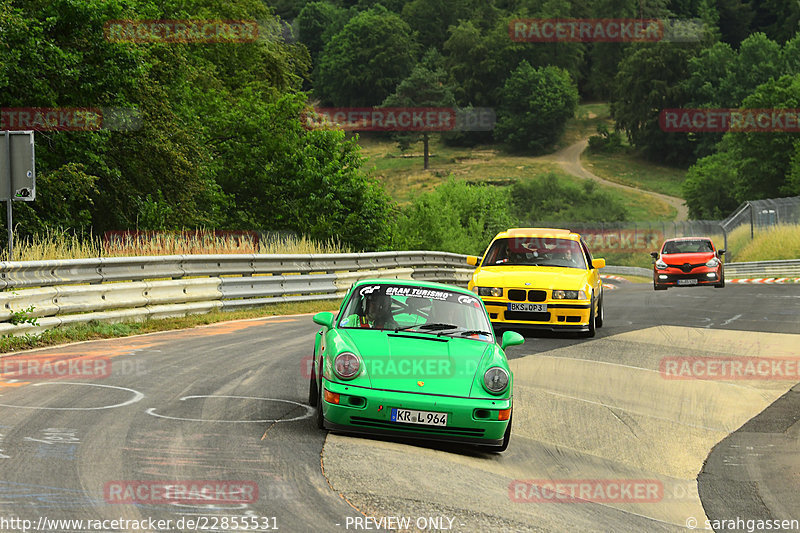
[{"x": 570, "y": 160}]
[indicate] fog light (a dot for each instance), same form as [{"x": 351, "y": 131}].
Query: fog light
[
  {"x": 662, "y": 276},
  {"x": 711, "y": 275}
]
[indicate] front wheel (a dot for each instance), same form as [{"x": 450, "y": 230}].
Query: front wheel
[
  {"x": 720, "y": 285},
  {"x": 600, "y": 314},
  {"x": 658, "y": 287},
  {"x": 312, "y": 387},
  {"x": 320, "y": 416},
  {"x": 592, "y": 320}
]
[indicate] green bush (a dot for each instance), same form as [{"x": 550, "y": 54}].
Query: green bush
[
  {"x": 455, "y": 217},
  {"x": 548, "y": 199}
]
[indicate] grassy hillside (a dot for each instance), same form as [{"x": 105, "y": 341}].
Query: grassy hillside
[{"x": 402, "y": 175}]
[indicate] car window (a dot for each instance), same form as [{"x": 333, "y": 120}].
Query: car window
[
  {"x": 414, "y": 308},
  {"x": 688, "y": 246},
  {"x": 535, "y": 251}
]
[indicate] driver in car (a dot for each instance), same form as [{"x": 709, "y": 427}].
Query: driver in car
[{"x": 377, "y": 312}]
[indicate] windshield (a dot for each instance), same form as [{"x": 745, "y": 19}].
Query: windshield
[
  {"x": 418, "y": 309},
  {"x": 687, "y": 247},
  {"x": 539, "y": 251}
]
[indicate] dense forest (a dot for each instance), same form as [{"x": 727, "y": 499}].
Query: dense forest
[{"x": 222, "y": 144}]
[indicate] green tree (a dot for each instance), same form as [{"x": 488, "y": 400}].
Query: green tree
[
  {"x": 764, "y": 160},
  {"x": 536, "y": 104},
  {"x": 455, "y": 217},
  {"x": 283, "y": 176},
  {"x": 651, "y": 78},
  {"x": 315, "y": 25},
  {"x": 426, "y": 86},
  {"x": 362, "y": 64},
  {"x": 707, "y": 188}
]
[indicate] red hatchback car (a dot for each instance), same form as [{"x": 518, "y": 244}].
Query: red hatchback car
[{"x": 688, "y": 261}]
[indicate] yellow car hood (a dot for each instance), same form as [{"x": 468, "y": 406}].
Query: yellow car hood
[{"x": 538, "y": 277}]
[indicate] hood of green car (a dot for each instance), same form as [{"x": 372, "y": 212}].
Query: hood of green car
[{"x": 417, "y": 362}]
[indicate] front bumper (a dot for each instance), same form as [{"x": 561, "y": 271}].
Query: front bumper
[
  {"x": 670, "y": 277},
  {"x": 561, "y": 315},
  {"x": 358, "y": 412}
]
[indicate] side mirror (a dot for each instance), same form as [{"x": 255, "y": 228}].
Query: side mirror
[
  {"x": 720, "y": 252},
  {"x": 511, "y": 338},
  {"x": 654, "y": 255},
  {"x": 473, "y": 260},
  {"x": 599, "y": 263},
  {"x": 324, "y": 318}
]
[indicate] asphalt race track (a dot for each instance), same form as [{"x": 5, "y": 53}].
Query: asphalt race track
[{"x": 228, "y": 403}]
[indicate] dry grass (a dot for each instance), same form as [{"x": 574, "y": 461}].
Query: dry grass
[
  {"x": 780, "y": 242},
  {"x": 65, "y": 245}
]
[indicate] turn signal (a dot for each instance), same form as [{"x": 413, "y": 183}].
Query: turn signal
[
  {"x": 505, "y": 414},
  {"x": 331, "y": 397}
]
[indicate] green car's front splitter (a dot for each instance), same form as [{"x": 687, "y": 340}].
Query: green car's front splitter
[{"x": 369, "y": 411}]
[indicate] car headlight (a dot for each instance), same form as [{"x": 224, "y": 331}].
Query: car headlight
[
  {"x": 569, "y": 295},
  {"x": 346, "y": 365},
  {"x": 497, "y": 292},
  {"x": 495, "y": 380},
  {"x": 712, "y": 262},
  {"x": 660, "y": 264}
]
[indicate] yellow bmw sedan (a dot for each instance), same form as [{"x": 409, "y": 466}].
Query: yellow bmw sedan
[{"x": 540, "y": 278}]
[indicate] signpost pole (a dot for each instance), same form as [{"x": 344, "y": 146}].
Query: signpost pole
[{"x": 9, "y": 217}]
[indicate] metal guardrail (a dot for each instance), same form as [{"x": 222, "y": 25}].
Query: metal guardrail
[
  {"x": 136, "y": 288},
  {"x": 763, "y": 269}
]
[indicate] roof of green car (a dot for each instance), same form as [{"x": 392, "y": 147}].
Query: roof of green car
[{"x": 414, "y": 283}]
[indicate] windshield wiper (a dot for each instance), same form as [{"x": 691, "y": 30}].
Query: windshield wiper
[
  {"x": 474, "y": 332},
  {"x": 438, "y": 326}
]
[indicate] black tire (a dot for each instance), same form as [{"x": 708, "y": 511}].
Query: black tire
[
  {"x": 320, "y": 416},
  {"x": 592, "y": 320},
  {"x": 720, "y": 285},
  {"x": 658, "y": 287},
  {"x": 600, "y": 316},
  {"x": 506, "y": 436},
  {"x": 313, "y": 392}
]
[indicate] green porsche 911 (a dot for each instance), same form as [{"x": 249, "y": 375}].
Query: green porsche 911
[{"x": 413, "y": 359}]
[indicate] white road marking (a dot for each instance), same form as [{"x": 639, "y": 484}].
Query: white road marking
[
  {"x": 308, "y": 413},
  {"x": 136, "y": 397},
  {"x": 731, "y": 320}
]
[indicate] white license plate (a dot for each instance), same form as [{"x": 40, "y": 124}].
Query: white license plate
[
  {"x": 410, "y": 416},
  {"x": 528, "y": 308},
  {"x": 687, "y": 282}
]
